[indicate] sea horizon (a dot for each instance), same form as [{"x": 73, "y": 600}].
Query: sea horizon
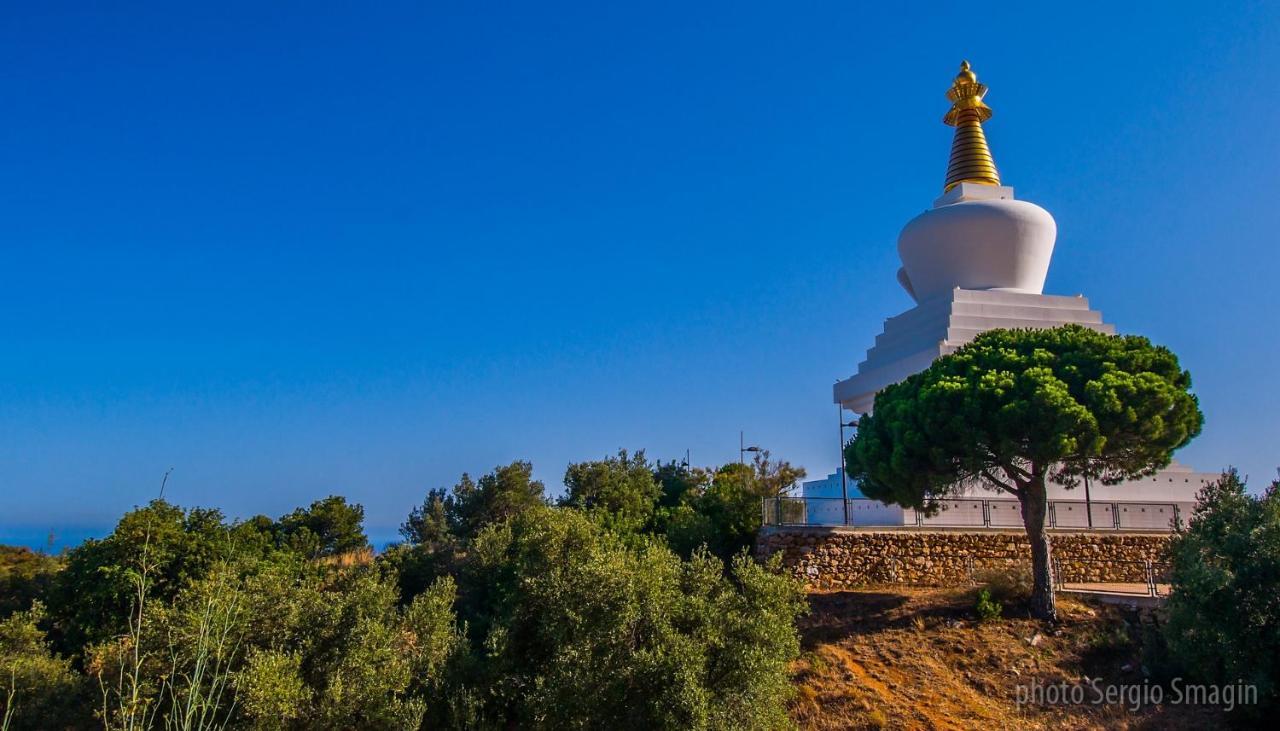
[{"x": 56, "y": 539}]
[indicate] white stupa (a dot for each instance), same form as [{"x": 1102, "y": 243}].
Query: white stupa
[{"x": 977, "y": 261}]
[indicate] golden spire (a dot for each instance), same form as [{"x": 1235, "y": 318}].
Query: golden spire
[{"x": 971, "y": 160}]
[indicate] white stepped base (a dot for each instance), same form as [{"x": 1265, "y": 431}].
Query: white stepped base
[{"x": 912, "y": 340}]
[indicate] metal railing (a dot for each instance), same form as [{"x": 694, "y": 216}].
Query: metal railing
[
  {"x": 1106, "y": 576},
  {"x": 971, "y": 513}
]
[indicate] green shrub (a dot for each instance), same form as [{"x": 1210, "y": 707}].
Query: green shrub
[
  {"x": 571, "y": 627},
  {"x": 988, "y": 609},
  {"x": 497, "y": 496},
  {"x": 724, "y": 514},
  {"x": 439, "y": 531},
  {"x": 280, "y": 643},
  {"x": 687, "y": 529},
  {"x": 90, "y": 600},
  {"x": 328, "y": 527},
  {"x": 338, "y": 650},
  {"x": 38, "y": 690},
  {"x": 1224, "y": 611},
  {"x": 25, "y": 575},
  {"x": 622, "y": 491},
  {"x": 271, "y": 690}
]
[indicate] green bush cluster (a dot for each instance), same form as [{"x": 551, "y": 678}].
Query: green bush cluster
[
  {"x": 39, "y": 689},
  {"x": 24, "y": 576},
  {"x": 1223, "y": 623},
  {"x": 572, "y": 627},
  {"x": 500, "y": 610},
  {"x": 988, "y": 608}
]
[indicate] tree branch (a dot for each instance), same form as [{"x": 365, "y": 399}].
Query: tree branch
[
  {"x": 1015, "y": 472},
  {"x": 1012, "y": 490}
]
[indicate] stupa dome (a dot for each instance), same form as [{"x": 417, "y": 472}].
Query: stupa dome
[{"x": 993, "y": 243}]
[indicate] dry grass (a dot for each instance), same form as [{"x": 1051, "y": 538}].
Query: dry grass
[
  {"x": 358, "y": 557},
  {"x": 918, "y": 659}
]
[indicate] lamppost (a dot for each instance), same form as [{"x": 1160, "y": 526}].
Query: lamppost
[
  {"x": 742, "y": 460},
  {"x": 1088, "y": 504},
  {"x": 844, "y": 475},
  {"x": 743, "y": 449}
]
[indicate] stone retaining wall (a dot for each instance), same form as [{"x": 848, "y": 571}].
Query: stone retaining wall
[{"x": 835, "y": 558}]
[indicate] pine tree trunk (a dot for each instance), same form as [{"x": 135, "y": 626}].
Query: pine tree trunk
[{"x": 1035, "y": 509}]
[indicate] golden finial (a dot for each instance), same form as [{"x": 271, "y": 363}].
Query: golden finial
[{"x": 971, "y": 160}]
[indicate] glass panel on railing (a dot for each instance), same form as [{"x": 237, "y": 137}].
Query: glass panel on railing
[
  {"x": 956, "y": 513},
  {"x": 1147, "y": 516},
  {"x": 1005, "y": 513}
]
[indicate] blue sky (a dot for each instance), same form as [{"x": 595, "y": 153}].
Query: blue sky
[{"x": 320, "y": 248}]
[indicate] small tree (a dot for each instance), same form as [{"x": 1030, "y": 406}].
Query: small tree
[
  {"x": 620, "y": 490},
  {"x": 1014, "y": 409},
  {"x": 676, "y": 480},
  {"x": 329, "y": 527},
  {"x": 720, "y": 509},
  {"x": 429, "y": 523},
  {"x": 497, "y": 496},
  {"x": 439, "y": 531},
  {"x": 1224, "y": 609}
]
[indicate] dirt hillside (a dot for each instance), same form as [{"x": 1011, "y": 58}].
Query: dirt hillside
[{"x": 920, "y": 659}]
